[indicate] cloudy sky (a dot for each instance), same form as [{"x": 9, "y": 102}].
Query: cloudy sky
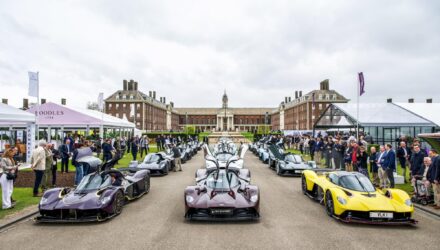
[{"x": 190, "y": 51}]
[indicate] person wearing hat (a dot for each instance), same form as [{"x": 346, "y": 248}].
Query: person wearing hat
[{"x": 38, "y": 165}]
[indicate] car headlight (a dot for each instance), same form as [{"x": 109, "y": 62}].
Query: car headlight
[
  {"x": 408, "y": 202},
  {"x": 105, "y": 200},
  {"x": 43, "y": 200},
  {"x": 189, "y": 199},
  {"x": 254, "y": 198},
  {"x": 342, "y": 200}
]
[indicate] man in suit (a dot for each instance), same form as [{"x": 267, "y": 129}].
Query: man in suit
[
  {"x": 65, "y": 152},
  {"x": 383, "y": 179},
  {"x": 433, "y": 176},
  {"x": 403, "y": 153},
  {"x": 416, "y": 160},
  {"x": 389, "y": 163}
]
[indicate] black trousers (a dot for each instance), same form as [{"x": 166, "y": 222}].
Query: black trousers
[
  {"x": 390, "y": 177},
  {"x": 54, "y": 175},
  {"x": 65, "y": 165},
  {"x": 38, "y": 177},
  {"x": 143, "y": 150},
  {"x": 134, "y": 153},
  {"x": 339, "y": 163}
]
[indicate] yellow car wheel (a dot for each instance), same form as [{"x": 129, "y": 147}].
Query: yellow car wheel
[
  {"x": 329, "y": 205},
  {"x": 304, "y": 185}
]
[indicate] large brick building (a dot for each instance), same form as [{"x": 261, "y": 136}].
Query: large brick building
[
  {"x": 303, "y": 111},
  {"x": 224, "y": 118},
  {"x": 145, "y": 111},
  {"x": 150, "y": 114}
]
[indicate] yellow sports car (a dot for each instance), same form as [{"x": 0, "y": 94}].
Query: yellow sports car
[{"x": 351, "y": 197}]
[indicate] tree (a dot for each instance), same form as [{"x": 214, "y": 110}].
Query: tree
[{"x": 92, "y": 106}]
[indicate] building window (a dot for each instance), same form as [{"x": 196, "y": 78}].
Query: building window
[
  {"x": 124, "y": 97},
  {"x": 138, "y": 105},
  {"x": 110, "y": 106},
  {"x": 327, "y": 97},
  {"x": 320, "y": 106},
  {"x": 123, "y": 105},
  {"x": 131, "y": 97},
  {"x": 334, "y": 97},
  {"x": 117, "y": 105},
  {"x": 138, "y": 115},
  {"x": 320, "y": 97},
  {"x": 117, "y": 97}
]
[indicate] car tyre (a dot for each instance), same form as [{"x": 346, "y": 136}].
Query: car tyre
[
  {"x": 329, "y": 204},
  {"x": 147, "y": 184},
  {"x": 304, "y": 185},
  {"x": 278, "y": 169},
  {"x": 118, "y": 203}
]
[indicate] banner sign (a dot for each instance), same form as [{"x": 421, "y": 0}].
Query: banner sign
[{"x": 30, "y": 141}]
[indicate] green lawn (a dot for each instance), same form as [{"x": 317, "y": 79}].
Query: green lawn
[
  {"x": 405, "y": 187},
  {"x": 24, "y": 197}
]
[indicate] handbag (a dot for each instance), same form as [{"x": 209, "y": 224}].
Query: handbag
[{"x": 11, "y": 176}]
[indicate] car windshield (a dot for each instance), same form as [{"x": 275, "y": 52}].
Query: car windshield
[
  {"x": 293, "y": 158},
  {"x": 93, "y": 182},
  {"x": 223, "y": 156},
  {"x": 356, "y": 182},
  {"x": 222, "y": 181},
  {"x": 152, "y": 158}
]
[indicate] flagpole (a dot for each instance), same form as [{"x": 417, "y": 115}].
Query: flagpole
[
  {"x": 37, "y": 129},
  {"x": 357, "y": 111}
]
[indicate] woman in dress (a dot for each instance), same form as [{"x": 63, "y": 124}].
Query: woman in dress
[{"x": 8, "y": 168}]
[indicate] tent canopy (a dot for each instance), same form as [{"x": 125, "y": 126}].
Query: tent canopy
[
  {"x": 13, "y": 116},
  {"x": 343, "y": 115},
  {"x": 429, "y": 111},
  {"x": 55, "y": 115}
]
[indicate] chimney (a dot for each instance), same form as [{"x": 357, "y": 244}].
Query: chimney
[
  {"x": 43, "y": 100},
  {"x": 290, "y": 99},
  {"x": 150, "y": 94},
  {"x": 130, "y": 85},
  {"x": 411, "y": 100},
  {"x": 324, "y": 85},
  {"x": 296, "y": 94},
  {"x": 300, "y": 93},
  {"x": 160, "y": 98},
  {"x": 172, "y": 104},
  {"x": 164, "y": 99},
  {"x": 5, "y": 101},
  {"x": 125, "y": 84},
  {"x": 154, "y": 95},
  {"x": 286, "y": 99},
  {"x": 25, "y": 103},
  {"x": 63, "y": 101},
  {"x": 135, "y": 87},
  {"x": 429, "y": 100},
  {"x": 389, "y": 100}
]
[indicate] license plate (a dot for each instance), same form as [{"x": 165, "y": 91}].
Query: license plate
[
  {"x": 381, "y": 215},
  {"x": 221, "y": 211}
]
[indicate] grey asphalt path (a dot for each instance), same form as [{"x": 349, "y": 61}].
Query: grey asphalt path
[{"x": 289, "y": 220}]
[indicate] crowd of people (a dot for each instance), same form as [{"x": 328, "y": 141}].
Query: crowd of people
[{"x": 345, "y": 152}]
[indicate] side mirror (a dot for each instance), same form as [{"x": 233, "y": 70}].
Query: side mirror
[{"x": 200, "y": 189}]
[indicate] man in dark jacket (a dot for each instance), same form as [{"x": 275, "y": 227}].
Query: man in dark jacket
[
  {"x": 177, "y": 160},
  {"x": 107, "y": 150},
  {"x": 416, "y": 160},
  {"x": 389, "y": 163},
  {"x": 65, "y": 152},
  {"x": 433, "y": 176},
  {"x": 373, "y": 165},
  {"x": 134, "y": 147},
  {"x": 403, "y": 153}
]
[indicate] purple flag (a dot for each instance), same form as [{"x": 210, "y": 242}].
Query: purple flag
[
  {"x": 313, "y": 100},
  {"x": 361, "y": 83}
]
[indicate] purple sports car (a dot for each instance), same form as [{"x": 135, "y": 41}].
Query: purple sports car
[
  {"x": 222, "y": 194},
  {"x": 99, "y": 196}
]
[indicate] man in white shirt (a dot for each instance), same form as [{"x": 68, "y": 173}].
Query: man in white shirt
[{"x": 38, "y": 165}]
